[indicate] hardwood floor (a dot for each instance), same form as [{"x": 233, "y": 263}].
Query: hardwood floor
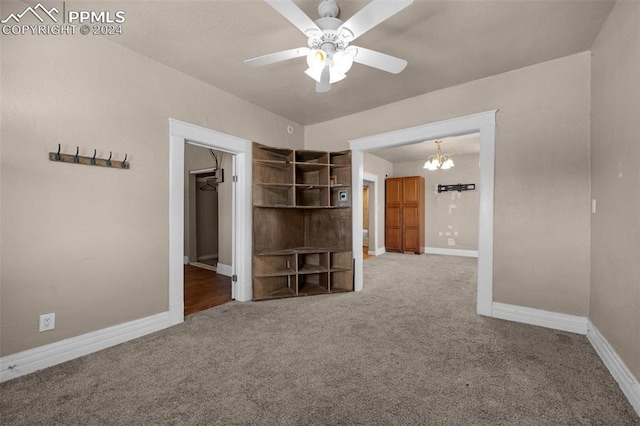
[
  {"x": 204, "y": 289},
  {"x": 365, "y": 253}
]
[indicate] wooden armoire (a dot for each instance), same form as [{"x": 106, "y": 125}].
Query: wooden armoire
[{"x": 404, "y": 214}]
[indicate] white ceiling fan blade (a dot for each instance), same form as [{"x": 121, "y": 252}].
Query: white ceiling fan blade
[
  {"x": 272, "y": 58},
  {"x": 297, "y": 17},
  {"x": 324, "y": 85},
  {"x": 378, "y": 60},
  {"x": 371, "y": 15}
]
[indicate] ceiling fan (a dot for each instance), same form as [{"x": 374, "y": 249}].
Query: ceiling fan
[{"x": 329, "y": 54}]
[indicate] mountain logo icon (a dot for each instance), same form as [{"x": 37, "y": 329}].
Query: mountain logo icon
[{"x": 34, "y": 11}]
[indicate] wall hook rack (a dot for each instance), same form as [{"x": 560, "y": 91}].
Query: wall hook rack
[
  {"x": 89, "y": 161},
  {"x": 458, "y": 187}
]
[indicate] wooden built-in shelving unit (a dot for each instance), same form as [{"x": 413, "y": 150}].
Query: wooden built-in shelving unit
[{"x": 301, "y": 222}]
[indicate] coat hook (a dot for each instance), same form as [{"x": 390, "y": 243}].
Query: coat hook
[
  {"x": 75, "y": 157},
  {"x": 93, "y": 159},
  {"x": 124, "y": 162},
  {"x": 57, "y": 156},
  {"x": 109, "y": 160}
]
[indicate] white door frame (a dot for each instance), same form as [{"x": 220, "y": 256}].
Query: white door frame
[
  {"x": 180, "y": 133},
  {"x": 373, "y": 197},
  {"x": 485, "y": 124}
]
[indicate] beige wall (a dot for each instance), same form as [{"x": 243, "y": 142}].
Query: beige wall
[
  {"x": 615, "y": 180},
  {"x": 451, "y": 218},
  {"x": 91, "y": 243},
  {"x": 541, "y": 234}
]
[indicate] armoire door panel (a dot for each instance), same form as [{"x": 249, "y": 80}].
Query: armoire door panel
[
  {"x": 393, "y": 216},
  {"x": 393, "y": 239},
  {"x": 394, "y": 191},
  {"x": 411, "y": 216},
  {"x": 411, "y": 189},
  {"x": 411, "y": 240}
]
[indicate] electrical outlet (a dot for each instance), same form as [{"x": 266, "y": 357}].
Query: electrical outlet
[{"x": 47, "y": 322}]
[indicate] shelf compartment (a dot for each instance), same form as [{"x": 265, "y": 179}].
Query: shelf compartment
[
  {"x": 312, "y": 174},
  {"x": 273, "y": 173},
  {"x": 312, "y": 157},
  {"x": 274, "y": 287},
  {"x": 328, "y": 228},
  {"x": 310, "y": 263},
  {"x": 274, "y": 195},
  {"x": 312, "y": 196},
  {"x": 274, "y": 266},
  {"x": 262, "y": 152},
  {"x": 341, "y": 261},
  {"x": 313, "y": 284},
  {"x": 277, "y": 229},
  {"x": 341, "y": 196},
  {"x": 341, "y": 281},
  {"x": 340, "y": 176},
  {"x": 341, "y": 158}
]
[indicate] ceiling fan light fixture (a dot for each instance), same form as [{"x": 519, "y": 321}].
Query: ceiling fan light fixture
[
  {"x": 316, "y": 59},
  {"x": 329, "y": 53},
  {"x": 342, "y": 62}
]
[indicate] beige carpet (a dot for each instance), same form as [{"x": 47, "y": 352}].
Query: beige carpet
[{"x": 408, "y": 350}]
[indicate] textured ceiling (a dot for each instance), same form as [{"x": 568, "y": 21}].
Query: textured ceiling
[{"x": 445, "y": 42}]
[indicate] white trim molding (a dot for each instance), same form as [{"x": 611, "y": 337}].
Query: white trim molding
[
  {"x": 626, "y": 380},
  {"x": 373, "y": 196},
  {"x": 223, "y": 269},
  {"x": 377, "y": 252},
  {"x": 21, "y": 363},
  {"x": 540, "y": 317},
  {"x": 180, "y": 134},
  {"x": 483, "y": 123},
  {"x": 451, "y": 252}
]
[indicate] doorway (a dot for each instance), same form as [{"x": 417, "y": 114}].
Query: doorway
[
  {"x": 207, "y": 198},
  {"x": 182, "y": 133},
  {"x": 483, "y": 123},
  {"x": 365, "y": 221},
  {"x": 207, "y": 204}
]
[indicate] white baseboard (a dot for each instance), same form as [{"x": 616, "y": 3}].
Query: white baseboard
[
  {"x": 377, "y": 252},
  {"x": 208, "y": 256},
  {"x": 223, "y": 269},
  {"x": 204, "y": 266},
  {"x": 627, "y": 382},
  {"x": 451, "y": 252},
  {"x": 539, "y": 317},
  {"x": 185, "y": 260},
  {"x": 21, "y": 363}
]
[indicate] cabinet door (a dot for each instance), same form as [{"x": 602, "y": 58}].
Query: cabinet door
[
  {"x": 393, "y": 193},
  {"x": 411, "y": 189},
  {"x": 393, "y": 228},
  {"x": 411, "y": 235}
]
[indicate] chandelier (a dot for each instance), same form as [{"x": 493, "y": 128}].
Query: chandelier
[{"x": 438, "y": 161}]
